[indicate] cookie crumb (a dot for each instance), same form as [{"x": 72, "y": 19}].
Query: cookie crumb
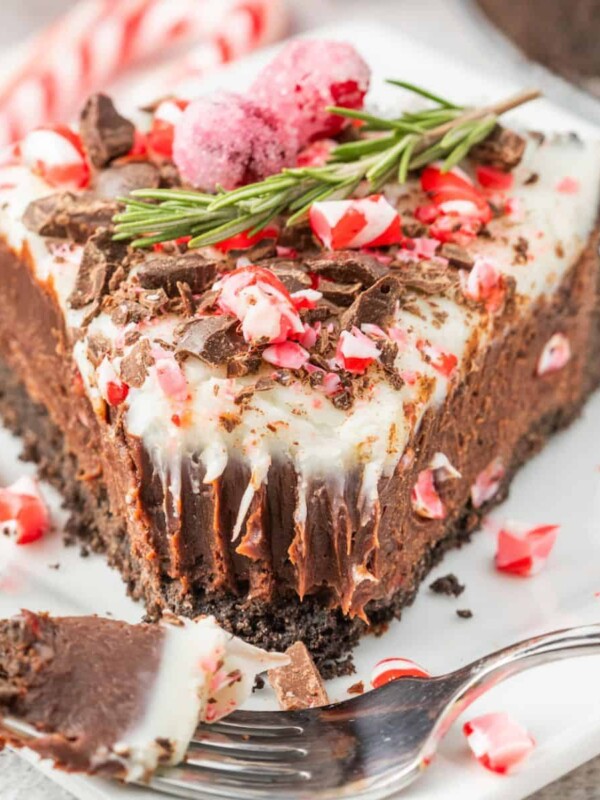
[
  {"x": 464, "y": 613},
  {"x": 448, "y": 585}
]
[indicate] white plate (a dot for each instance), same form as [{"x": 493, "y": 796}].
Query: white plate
[{"x": 557, "y": 703}]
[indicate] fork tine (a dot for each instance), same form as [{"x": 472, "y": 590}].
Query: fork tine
[{"x": 251, "y": 749}]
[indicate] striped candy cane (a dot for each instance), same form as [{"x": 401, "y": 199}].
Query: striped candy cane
[{"x": 100, "y": 39}]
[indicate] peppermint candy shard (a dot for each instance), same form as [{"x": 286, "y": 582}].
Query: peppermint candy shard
[
  {"x": 484, "y": 283},
  {"x": 443, "y": 362},
  {"x": 454, "y": 194},
  {"x": 443, "y": 468},
  {"x": 289, "y": 355},
  {"x": 57, "y": 156},
  {"x": 487, "y": 483},
  {"x": 23, "y": 511},
  {"x": 498, "y": 742},
  {"x": 555, "y": 355},
  {"x": 111, "y": 387},
  {"x": 162, "y": 131},
  {"x": 493, "y": 178},
  {"x": 355, "y": 351},
  {"x": 425, "y": 499},
  {"x": 522, "y": 550},
  {"x": 392, "y": 669},
  {"x": 352, "y": 224}
]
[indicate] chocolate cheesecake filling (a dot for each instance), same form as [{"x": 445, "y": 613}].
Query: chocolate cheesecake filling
[{"x": 318, "y": 579}]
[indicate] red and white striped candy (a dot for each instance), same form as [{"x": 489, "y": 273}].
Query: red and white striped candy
[
  {"x": 484, "y": 283},
  {"x": 23, "y": 511},
  {"x": 523, "y": 550},
  {"x": 111, "y": 387},
  {"x": 493, "y": 178},
  {"x": 498, "y": 742},
  {"x": 170, "y": 376},
  {"x": 262, "y": 304},
  {"x": 424, "y": 497},
  {"x": 443, "y": 362},
  {"x": 392, "y": 669},
  {"x": 99, "y": 39},
  {"x": 487, "y": 483},
  {"x": 162, "y": 131},
  {"x": 555, "y": 355},
  {"x": 366, "y": 222},
  {"x": 355, "y": 351},
  {"x": 454, "y": 193},
  {"x": 56, "y": 155},
  {"x": 290, "y": 355}
]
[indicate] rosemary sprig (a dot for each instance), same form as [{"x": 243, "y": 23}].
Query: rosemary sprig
[{"x": 388, "y": 149}]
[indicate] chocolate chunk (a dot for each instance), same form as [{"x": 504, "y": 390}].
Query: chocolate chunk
[
  {"x": 376, "y": 305},
  {"x": 448, "y": 584},
  {"x": 293, "y": 278},
  {"x": 464, "y": 613},
  {"x": 427, "y": 277},
  {"x": 135, "y": 365},
  {"x": 165, "y": 272},
  {"x": 98, "y": 345},
  {"x": 457, "y": 256},
  {"x": 105, "y": 134},
  {"x": 67, "y": 216},
  {"x": 324, "y": 310},
  {"x": 101, "y": 257},
  {"x": 502, "y": 149},
  {"x": 387, "y": 354},
  {"x": 265, "y": 248},
  {"x": 122, "y": 179},
  {"x": 214, "y": 340},
  {"x": 345, "y": 266},
  {"x": 341, "y": 294},
  {"x": 299, "y": 684},
  {"x": 247, "y": 362},
  {"x": 127, "y": 311}
]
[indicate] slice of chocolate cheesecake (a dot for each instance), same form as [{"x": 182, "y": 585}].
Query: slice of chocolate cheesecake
[
  {"x": 291, "y": 437},
  {"x": 105, "y": 697}
]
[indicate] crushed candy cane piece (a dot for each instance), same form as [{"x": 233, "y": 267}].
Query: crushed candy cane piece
[
  {"x": 427, "y": 213},
  {"x": 555, "y": 355},
  {"x": 487, "y": 483},
  {"x": 306, "y": 298},
  {"x": 568, "y": 186},
  {"x": 355, "y": 351},
  {"x": 261, "y": 302},
  {"x": 425, "y": 247},
  {"x": 498, "y": 742},
  {"x": 425, "y": 499},
  {"x": 449, "y": 187},
  {"x": 442, "y": 467},
  {"x": 493, "y": 178},
  {"x": 227, "y": 140},
  {"x": 366, "y": 222},
  {"x": 305, "y": 78},
  {"x": 316, "y": 154},
  {"x": 171, "y": 378},
  {"x": 290, "y": 355},
  {"x": 445, "y": 363},
  {"x": 243, "y": 241},
  {"x": 522, "y": 550},
  {"x": 484, "y": 283},
  {"x": 23, "y": 511},
  {"x": 111, "y": 387},
  {"x": 159, "y": 139},
  {"x": 392, "y": 669},
  {"x": 57, "y": 155}
]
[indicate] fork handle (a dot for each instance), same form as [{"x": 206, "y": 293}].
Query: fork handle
[{"x": 491, "y": 670}]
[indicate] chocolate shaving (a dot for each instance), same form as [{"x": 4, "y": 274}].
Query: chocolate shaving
[
  {"x": 345, "y": 266},
  {"x": 298, "y": 685},
  {"x": 120, "y": 180},
  {"x": 135, "y": 365},
  {"x": 340, "y": 294},
  {"x": 214, "y": 340},
  {"x": 247, "y": 362},
  {"x": 166, "y": 272},
  {"x": 293, "y": 278},
  {"x": 105, "y": 134},
  {"x": 98, "y": 346},
  {"x": 376, "y": 305},
  {"x": 503, "y": 149},
  {"x": 428, "y": 277},
  {"x": 127, "y": 311},
  {"x": 68, "y": 216},
  {"x": 457, "y": 256},
  {"x": 101, "y": 257}
]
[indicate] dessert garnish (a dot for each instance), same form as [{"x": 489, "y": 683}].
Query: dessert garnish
[
  {"x": 23, "y": 511},
  {"x": 298, "y": 685},
  {"x": 498, "y": 742},
  {"x": 391, "y": 669},
  {"x": 523, "y": 550},
  {"x": 446, "y": 131}
]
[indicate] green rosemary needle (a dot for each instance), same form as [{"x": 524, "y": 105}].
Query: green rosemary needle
[{"x": 388, "y": 149}]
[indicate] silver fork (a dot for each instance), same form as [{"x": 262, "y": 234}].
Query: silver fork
[{"x": 365, "y": 748}]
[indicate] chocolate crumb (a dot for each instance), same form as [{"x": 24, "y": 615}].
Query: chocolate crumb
[
  {"x": 105, "y": 134},
  {"x": 533, "y": 178},
  {"x": 259, "y": 683},
  {"x": 521, "y": 248},
  {"x": 448, "y": 585},
  {"x": 457, "y": 256},
  {"x": 464, "y": 613},
  {"x": 356, "y": 688}
]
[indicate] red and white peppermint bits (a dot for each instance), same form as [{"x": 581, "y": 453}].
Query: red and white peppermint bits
[
  {"x": 290, "y": 355},
  {"x": 243, "y": 241},
  {"x": 487, "y": 483},
  {"x": 393, "y": 669},
  {"x": 443, "y": 362},
  {"x": 484, "y": 283},
  {"x": 227, "y": 140},
  {"x": 555, "y": 355},
  {"x": 308, "y": 76},
  {"x": 355, "y": 351},
  {"x": 454, "y": 194},
  {"x": 170, "y": 376},
  {"x": 498, "y": 742},
  {"x": 494, "y": 179},
  {"x": 162, "y": 130},
  {"x": 424, "y": 497},
  {"x": 351, "y": 224},
  {"x": 23, "y": 512},
  {"x": 262, "y": 304},
  {"x": 111, "y": 387},
  {"x": 56, "y": 155},
  {"x": 523, "y": 550}
]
